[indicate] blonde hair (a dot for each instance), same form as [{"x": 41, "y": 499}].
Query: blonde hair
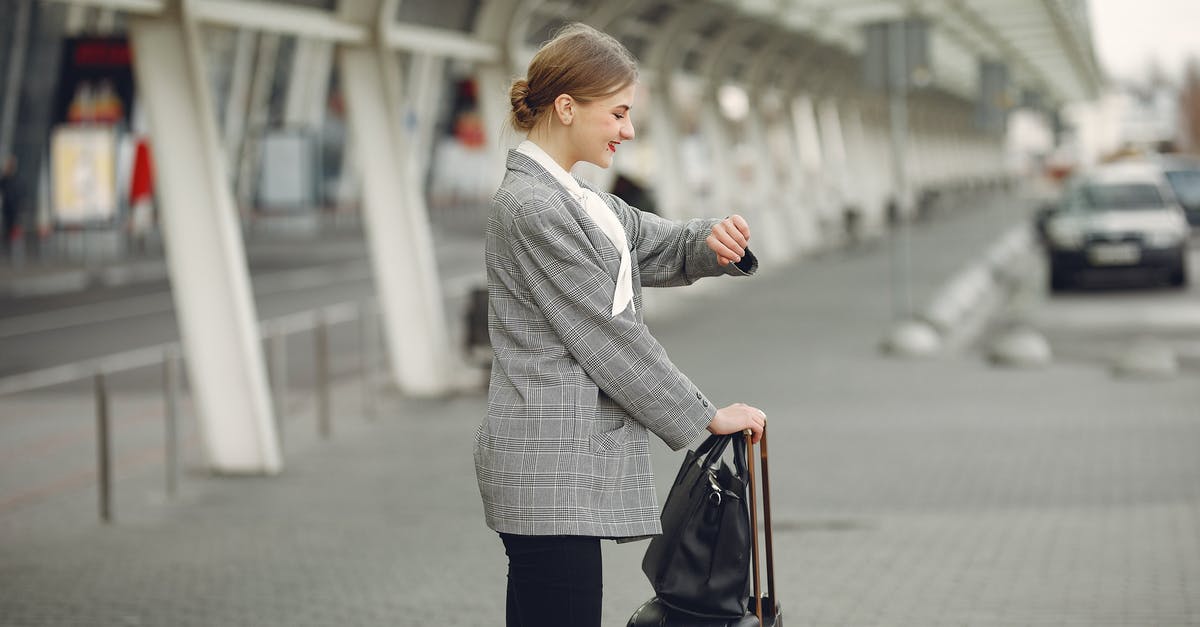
[{"x": 579, "y": 61}]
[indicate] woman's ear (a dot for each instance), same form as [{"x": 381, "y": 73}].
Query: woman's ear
[{"x": 564, "y": 108}]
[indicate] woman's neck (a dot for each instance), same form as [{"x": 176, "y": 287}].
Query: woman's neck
[{"x": 554, "y": 144}]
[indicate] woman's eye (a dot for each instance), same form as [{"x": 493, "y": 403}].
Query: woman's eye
[{"x": 618, "y": 116}]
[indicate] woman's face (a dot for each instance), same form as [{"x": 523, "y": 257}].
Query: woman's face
[{"x": 600, "y": 126}]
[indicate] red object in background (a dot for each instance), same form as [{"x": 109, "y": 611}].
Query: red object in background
[{"x": 141, "y": 184}]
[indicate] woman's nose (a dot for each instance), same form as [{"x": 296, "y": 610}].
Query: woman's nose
[{"x": 627, "y": 131}]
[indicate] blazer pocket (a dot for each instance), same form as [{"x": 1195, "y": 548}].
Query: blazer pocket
[{"x": 611, "y": 442}]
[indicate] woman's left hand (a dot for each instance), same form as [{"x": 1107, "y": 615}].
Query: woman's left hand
[{"x": 729, "y": 238}]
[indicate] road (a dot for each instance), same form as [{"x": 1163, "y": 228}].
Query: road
[{"x": 1100, "y": 320}]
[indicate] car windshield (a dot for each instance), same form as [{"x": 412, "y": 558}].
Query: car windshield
[
  {"x": 1103, "y": 197},
  {"x": 1186, "y": 184}
]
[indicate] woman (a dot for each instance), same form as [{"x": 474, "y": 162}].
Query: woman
[{"x": 578, "y": 382}]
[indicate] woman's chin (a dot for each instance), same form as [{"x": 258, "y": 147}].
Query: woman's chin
[{"x": 602, "y": 162}]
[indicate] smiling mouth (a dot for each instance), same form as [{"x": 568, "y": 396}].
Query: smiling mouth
[{"x": 612, "y": 146}]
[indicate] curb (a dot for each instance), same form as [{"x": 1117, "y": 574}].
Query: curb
[{"x": 962, "y": 306}]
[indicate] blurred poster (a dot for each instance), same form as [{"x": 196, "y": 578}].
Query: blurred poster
[
  {"x": 83, "y": 174},
  {"x": 289, "y": 176}
]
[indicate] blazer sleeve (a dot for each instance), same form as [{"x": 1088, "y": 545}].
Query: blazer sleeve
[
  {"x": 671, "y": 253},
  {"x": 574, "y": 292}
]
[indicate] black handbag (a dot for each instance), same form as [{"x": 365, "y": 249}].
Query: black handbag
[
  {"x": 701, "y": 562},
  {"x": 682, "y": 531}
]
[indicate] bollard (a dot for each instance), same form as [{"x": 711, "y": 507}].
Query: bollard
[
  {"x": 277, "y": 343},
  {"x": 103, "y": 453},
  {"x": 321, "y": 376},
  {"x": 171, "y": 397}
]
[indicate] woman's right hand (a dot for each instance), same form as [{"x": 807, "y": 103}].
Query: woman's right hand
[{"x": 739, "y": 417}]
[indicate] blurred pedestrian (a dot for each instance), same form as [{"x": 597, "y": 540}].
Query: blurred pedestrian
[
  {"x": 10, "y": 202},
  {"x": 578, "y": 383}
]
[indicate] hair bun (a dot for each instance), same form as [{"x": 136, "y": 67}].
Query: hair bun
[{"x": 523, "y": 115}]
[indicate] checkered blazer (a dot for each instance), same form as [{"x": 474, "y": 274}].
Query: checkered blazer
[{"x": 564, "y": 448}]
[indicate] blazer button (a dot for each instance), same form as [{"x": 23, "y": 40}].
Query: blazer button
[
  {"x": 699, "y": 396},
  {"x": 704, "y": 403}
]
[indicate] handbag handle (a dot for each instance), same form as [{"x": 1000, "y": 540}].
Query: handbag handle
[{"x": 713, "y": 448}]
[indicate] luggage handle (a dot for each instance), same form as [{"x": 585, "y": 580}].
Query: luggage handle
[{"x": 766, "y": 488}]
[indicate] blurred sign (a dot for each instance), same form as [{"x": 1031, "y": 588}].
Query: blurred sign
[
  {"x": 991, "y": 110},
  {"x": 95, "y": 81},
  {"x": 83, "y": 172},
  {"x": 288, "y": 180},
  {"x": 897, "y": 54}
]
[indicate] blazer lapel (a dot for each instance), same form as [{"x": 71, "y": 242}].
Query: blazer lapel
[{"x": 600, "y": 242}]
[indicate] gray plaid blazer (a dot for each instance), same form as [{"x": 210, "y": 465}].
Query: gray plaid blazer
[{"x": 564, "y": 448}]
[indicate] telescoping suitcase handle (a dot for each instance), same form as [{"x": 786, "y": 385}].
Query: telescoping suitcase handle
[{"x": 759, "y": 610}]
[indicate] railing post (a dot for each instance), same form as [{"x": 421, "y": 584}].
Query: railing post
[
  {"x": 321, "y": 376},
  {"x": 367, "y": 357},
  {"x": 171, "y": 398},
  {"x": 277, "y": 347},
  {"x": 103, "y": 452}
]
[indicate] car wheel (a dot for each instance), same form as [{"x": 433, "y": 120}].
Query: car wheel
[
  {"x": 1060, "y": 280},
  {"x": 1178, "y": 276}
]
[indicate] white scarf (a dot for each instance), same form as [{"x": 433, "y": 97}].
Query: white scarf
[{"x": 601, "y": 215}]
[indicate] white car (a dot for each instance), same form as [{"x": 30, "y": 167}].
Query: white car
[{"x": 1121, "y": 215}]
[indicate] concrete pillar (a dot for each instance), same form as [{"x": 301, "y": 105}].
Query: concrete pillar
[
  {"x": 833, "y": 156},
  {"x": 495, "y": 24},
  {"x": 205, "y": 257},
  {"x": 257, "y": 116},
  {"x": 426, "y": 77},
  {"x": 727, "y": 189},
  {"x": 857, "y": 159},
  {"x": 237, "y": 102},
  {"x": 308, "y": 84},
  {"x": 673, "y": 195},
  {"x": 773, "y": 196},
  {"x": 397, "y": 223},
  {"x": 808, "y": 216}
]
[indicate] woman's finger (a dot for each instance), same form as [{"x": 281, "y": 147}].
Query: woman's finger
[
  {"x": 730, "y": 226},
  {"x": 726, "y": 229},
  {"x": 726, "y": 235},
  {"x": 741, "y": 225},
  {"x": 721, "y": 248}
]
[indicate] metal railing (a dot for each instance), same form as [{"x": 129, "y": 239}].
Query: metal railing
[{"x": 171, "y": 357}]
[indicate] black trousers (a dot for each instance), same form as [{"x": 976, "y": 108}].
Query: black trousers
[{"x": 553, "y": 581}]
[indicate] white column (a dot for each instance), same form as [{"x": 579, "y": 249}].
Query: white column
[
  {"x": 237, "y": 103},
  {"x": 257, "y": 115},
  {"x": 673, "y": 195},
  {"x": 807, "y": 215},
  {"x": 833, "y": 155},
  {"x": 713, "y": 124},
  {"x": 494, "y": 24},
  {"x": 308, "y": 88},
  {"x": 207, "y": 263},
  {"x": 397, "y": 223},
  {"x": 856, "y": 160},
  {"x": 426, "y": 77}
]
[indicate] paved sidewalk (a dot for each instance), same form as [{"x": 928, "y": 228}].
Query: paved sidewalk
[{"x": 939, "y": 492}]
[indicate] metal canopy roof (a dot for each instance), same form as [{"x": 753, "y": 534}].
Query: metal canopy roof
[{"x": 1046, "y": 44}]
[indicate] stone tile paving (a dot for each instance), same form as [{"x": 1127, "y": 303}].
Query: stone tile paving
[{"x": 938, "y": 492}]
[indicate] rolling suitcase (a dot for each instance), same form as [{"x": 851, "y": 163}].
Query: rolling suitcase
[{"x": 764, "y": 611}]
